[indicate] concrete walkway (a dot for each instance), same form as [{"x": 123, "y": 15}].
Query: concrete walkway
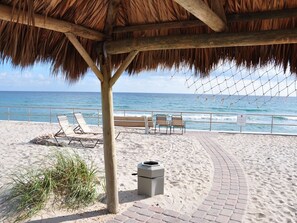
[{"x": 226, "y": 201}]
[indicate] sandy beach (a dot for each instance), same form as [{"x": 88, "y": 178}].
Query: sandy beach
[{"x": 269, "y": 163}]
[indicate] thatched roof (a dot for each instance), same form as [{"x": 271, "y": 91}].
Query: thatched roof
[{"x": 25, "y": 45}]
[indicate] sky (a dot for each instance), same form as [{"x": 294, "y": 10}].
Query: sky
[
  {"x": 225, "y": 79},
  {"x": 39, "y": 78}
]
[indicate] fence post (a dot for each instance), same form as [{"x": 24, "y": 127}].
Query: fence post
[
  {"x": 271, "y": 130},
  {"x": 210, "y": 122},
  {"x": 50, "y": 115},
  {"x": 8, "y": 113},
  {"x": 29, "y": 114},
  {"x": 73, "y": 116},
  {"x": 98, "y": 113}
]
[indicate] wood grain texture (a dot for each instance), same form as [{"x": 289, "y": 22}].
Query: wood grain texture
[
  {"x": 204, "y": 41},
  {"x": 201, "y": 11},
  {"x": 50, "y": 24}
]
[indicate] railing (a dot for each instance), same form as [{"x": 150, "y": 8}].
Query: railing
[{"x": 206, "y": 121}]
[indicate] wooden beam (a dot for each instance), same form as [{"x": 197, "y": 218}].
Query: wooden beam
[
  {"x": 107, "y": 113},
  {"x": 123, "y": 67},
  {"x": 6, "y": 14},
  {"x": 214, "y": 40},
  {"x": 253, "y": 16},
  {"x": 156, "y": 26},
  {"x": 72, "y": 38},
  {"x": 218, "y": 7},
  {"x": 110, "y": 160},
  {"x": 112, "y": 10},
  {"x": 245, "y": 17},
  {"x": 201, "y": 11}
]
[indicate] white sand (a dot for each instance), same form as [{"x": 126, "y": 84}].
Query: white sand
[
  {"x": 270, "y": 164},
  {"x": 188, "y": 169}
]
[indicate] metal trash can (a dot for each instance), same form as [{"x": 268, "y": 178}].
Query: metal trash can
[{"x": 150, "y": 178}]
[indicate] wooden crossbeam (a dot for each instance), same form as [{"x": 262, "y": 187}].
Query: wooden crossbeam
[
  {"x": 123, "y": 67},
  {"x": 72, "y": 38},
  {"x": 6, "y": 14},
  {"x": 214, "y": 40},
  {"x": 201, "y": 11},
  {"x": 244, "y": 17}
]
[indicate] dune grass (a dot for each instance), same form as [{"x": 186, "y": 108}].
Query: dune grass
[
  {"x": 29, "y": 194},
  {"x": 75, "y": 182},
  {"x": 69, "y": 181}
]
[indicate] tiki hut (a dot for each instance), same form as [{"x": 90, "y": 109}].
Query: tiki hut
[{"x": 134, "y": 35}]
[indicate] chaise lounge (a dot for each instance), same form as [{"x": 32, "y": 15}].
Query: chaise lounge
[
  {"x": 82, "y": 125},
  {"x": 68, "y": 132}
]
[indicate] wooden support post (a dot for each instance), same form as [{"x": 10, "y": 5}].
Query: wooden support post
[
  {"x": 109, "y": 143},
  {"x": 123, "y": 67},
  {"x": 108, "y": 130},
  {"x": 108, "y": 125},
  {"x": 108, "y": 119},
  {"x": 84, "y": 55}
]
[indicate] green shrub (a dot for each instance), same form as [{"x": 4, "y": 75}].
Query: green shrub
[
  {"x": 75, "y": 182},
  {"x": 29, "y": 193},
  {"x": 69, "y": 181}
]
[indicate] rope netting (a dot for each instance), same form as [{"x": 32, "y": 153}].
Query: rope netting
[{"x": 238, "y": 83}]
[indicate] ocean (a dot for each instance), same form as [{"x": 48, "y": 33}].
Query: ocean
[{"x": 200, "y": 112}]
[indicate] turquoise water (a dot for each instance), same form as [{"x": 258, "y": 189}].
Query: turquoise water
[{"x": 16, "y": 106}]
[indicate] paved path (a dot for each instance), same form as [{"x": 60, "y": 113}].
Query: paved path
[{"x": 226, "y": 201}]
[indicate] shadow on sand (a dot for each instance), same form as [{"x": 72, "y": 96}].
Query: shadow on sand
[
  {"x": 129, "y": 196},
  {"x": 124, "y": 197},
  {"x": 73, "y": 217}
]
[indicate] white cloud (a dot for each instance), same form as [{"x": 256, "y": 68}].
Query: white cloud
[
  {"x": 149, "y": 82},
  {"x": 226, "y": 79},
  {"x": 3, "y": 75}
]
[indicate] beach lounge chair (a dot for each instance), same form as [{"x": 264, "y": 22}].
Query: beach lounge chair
[
  {"x": 68, "y": 132},
  {"x": 161, "y": 121},
  {"x": 82, "y": 125},
  {"x": 177, "y": 122}
]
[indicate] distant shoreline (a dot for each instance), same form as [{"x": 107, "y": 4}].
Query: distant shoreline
[{"x": 199, "y": 112}]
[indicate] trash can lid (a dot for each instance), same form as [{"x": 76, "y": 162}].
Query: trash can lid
[
  {"x": 151, "y": 163},
  {"x": 150, "y": 169}
]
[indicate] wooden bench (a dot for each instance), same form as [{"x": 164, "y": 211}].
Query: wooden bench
[{"x": 134, "y": 121}]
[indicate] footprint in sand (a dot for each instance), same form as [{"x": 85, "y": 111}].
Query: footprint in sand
[{"x": 260, "y": 215}]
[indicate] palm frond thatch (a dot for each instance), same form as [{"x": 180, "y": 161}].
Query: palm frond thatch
[{"x": 24, "y": 45}]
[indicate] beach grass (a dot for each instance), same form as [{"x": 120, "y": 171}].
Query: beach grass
[
  {"x": 75, "y": 182},
  {"x": 29, "y": 193},
  {"x": 69, "y": 181}
]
